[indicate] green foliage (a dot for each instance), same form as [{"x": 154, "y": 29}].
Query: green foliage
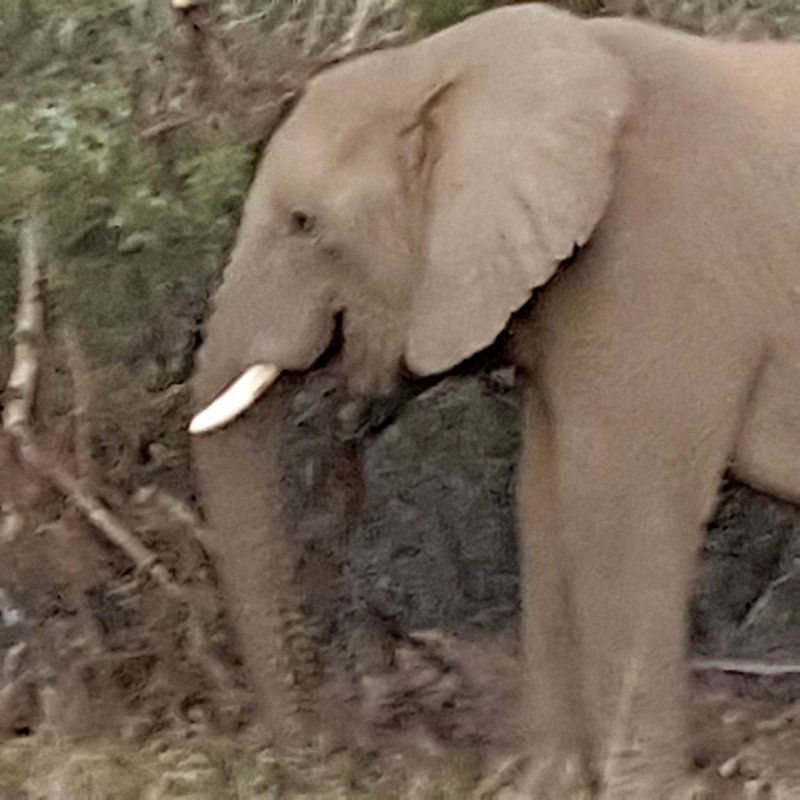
[
  {"x": 139, "y": 220},
  {"x": 437, "y": 14},
  {"x": 213, "y": 180},
  {"x": 126, "y": 215}
]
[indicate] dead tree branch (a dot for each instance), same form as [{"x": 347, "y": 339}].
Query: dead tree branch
[
  {"x": 20, "y": 394},
  {"x": 744, "y": 666},
  {"x": 20, "y": 390},
  {"x": 101, "y": 517},
  {"x": 28, "y": 329},
  {"x": 109, "y": 524}
]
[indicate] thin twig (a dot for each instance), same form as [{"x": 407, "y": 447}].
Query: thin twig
[
  {"x": 165, "y": 125},
  {"x": 312, "y": 35},
  {"x": 82, "y": 393},
  {"x": 180, "y": 511},
  {"x": 763, "y": 601},
  {"x": 744, "y": 666},
  {"x": 360, "y": 18}
]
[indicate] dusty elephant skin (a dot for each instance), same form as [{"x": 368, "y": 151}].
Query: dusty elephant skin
[{"x": 409, "y": 206}]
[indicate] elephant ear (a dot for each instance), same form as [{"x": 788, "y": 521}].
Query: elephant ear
[{"x": 515, "y": 158}]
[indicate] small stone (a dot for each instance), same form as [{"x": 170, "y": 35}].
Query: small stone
[
  {"x": 730, "y": 767},
  {"x": 196, "y": 714},
  {"x": 733, "y": 717},
  {"x": 423, "y": 678},
  {"x": 772, "y": 725},
  {"x": 505, "y": 377},
  {"x": 136, "y": 242},
  {"x": 195, "y": 760},
  {"x": 755, "y": 788},
  {"x": 135, "y": 729}
]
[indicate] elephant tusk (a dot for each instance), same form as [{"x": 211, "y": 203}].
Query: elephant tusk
[{"x": 237, "y": 398}]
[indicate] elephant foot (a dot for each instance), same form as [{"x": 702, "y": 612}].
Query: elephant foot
[
  {"x": 686, "y": 789},
  {"x": 545, "y": 775},
  {"x": 637, "y": 778}
]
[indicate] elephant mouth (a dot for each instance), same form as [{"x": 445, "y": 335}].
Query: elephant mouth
[
  {"x": 256, "y": 380},
  {"x": 252, "y": 383}
]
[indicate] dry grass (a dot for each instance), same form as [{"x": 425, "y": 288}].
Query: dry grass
[{"x": 213, "y": 770}]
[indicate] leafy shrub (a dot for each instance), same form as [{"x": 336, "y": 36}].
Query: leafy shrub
[{"x": 437, "y": 14}]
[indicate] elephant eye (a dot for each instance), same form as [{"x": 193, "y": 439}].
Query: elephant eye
[{"x": 302, "y": 222}]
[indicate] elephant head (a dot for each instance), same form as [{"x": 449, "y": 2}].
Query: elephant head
[{"x": 413, "y": 199}]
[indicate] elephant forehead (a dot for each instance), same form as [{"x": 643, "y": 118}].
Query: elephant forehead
[
  {"x": 369, "y": 84},
  {"x": 321, "y": 161},
  {"x": 318, "y": 129},
  {"x": 350, "y": 106}
]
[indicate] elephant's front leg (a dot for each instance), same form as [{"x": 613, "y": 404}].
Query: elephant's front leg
[
  {"x": 611, "y": 532},
  {"x": 554, "y": 720}
]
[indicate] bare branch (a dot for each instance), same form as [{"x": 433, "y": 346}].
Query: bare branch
[
  {"x": 362, "y": 15},
  {"x": 102, "y": 518},
  {"x": 766, "y": 596},
  {"x": 744, "y": 666},
  {"x": 371, "y": 23},
  {"x": 175, "y": 509},
  {"x": 20, "y": 391},
  {"x": 313, "y": 33},
  {"x": 165, "y": 126},
  {"x": 28, "y": 330}
]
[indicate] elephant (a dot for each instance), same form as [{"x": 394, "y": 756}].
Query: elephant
[{"x": 614, "y": 204}]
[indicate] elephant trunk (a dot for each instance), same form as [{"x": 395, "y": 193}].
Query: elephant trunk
[{"x": 238, "y": 477}]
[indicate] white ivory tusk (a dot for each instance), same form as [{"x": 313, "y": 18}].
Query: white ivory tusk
[{"x": 238, "y": 397}]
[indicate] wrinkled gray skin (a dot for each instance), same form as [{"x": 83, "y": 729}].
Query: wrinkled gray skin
[{"x": 424, "y": 192}]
